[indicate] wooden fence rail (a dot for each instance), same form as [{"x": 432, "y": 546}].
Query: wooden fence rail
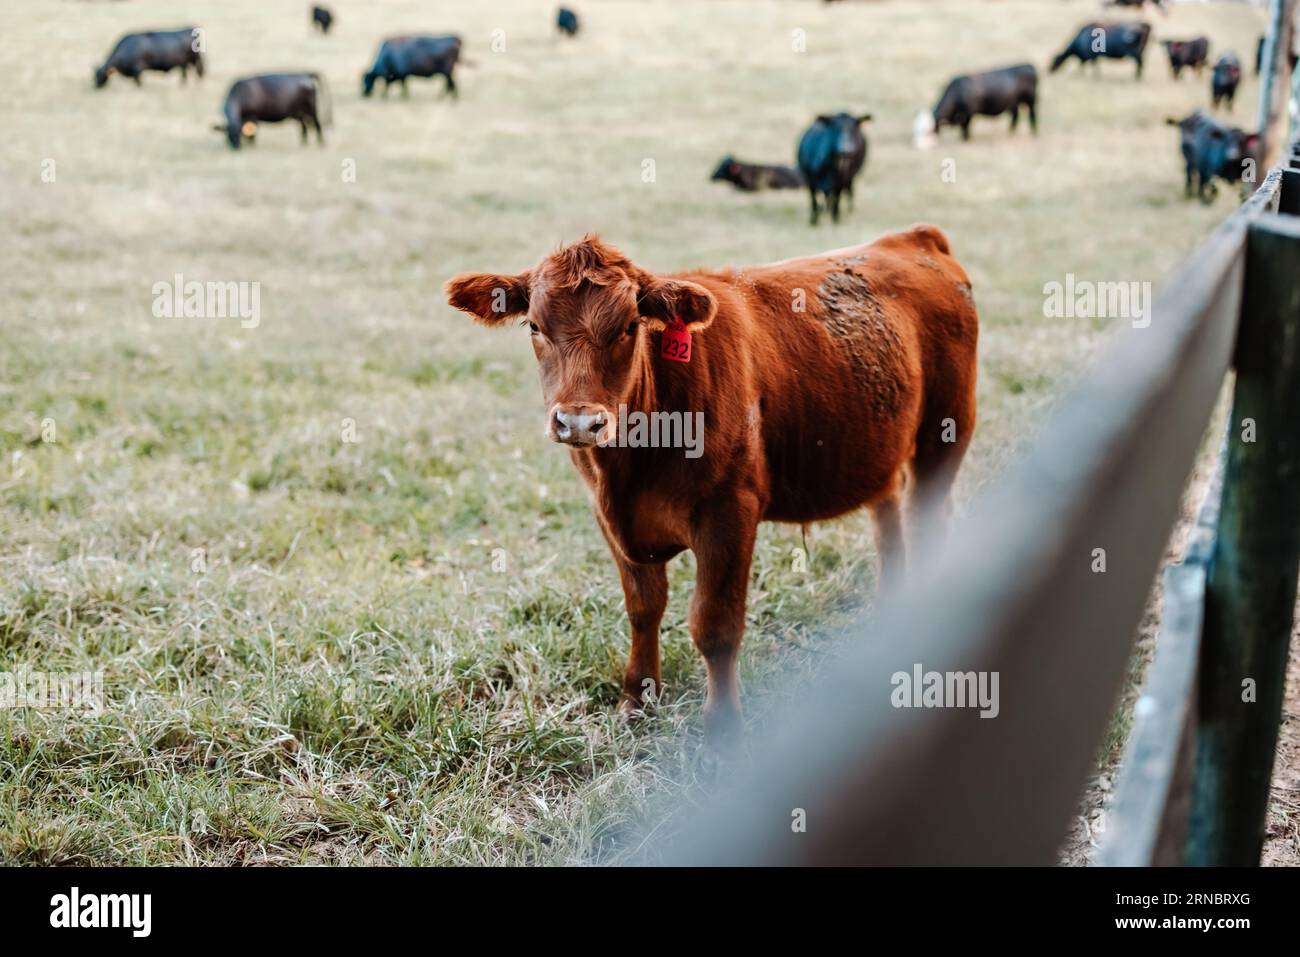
[{"x": 1043, "y": 586}]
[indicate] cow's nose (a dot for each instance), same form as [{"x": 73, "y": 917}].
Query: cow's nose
[{"x": 579, "y": 426}]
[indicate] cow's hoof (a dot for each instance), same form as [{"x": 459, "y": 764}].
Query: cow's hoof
[{"x": 724, "y": 726}]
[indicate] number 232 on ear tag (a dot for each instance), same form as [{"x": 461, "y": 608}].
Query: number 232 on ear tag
[{"x": 676, "y": 342}]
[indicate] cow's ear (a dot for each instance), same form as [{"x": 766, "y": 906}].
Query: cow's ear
[
  {"x": 662, "y": 300},
  {"x": 1173, "y": 122},
  {"x": 489, "y": 298},
  {"x": 864, "y": 118},
  {"x": 823, "y": 118}
]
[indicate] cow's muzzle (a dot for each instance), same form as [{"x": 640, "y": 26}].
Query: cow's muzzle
[{"x": 580, "y": 425}]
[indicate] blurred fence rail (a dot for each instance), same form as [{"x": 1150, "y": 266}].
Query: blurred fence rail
[{"x": 843, "y": 776}]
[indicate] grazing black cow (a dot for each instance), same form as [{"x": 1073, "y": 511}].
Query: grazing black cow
[
  {"x": 1193, "y": 54},
  {"x": 566, "y": 21},
  {"x": 985, "y": 94},
  {"x": 1117, "y": 41},
  {"x": 322, "y": 18},
  {"x": 402, "y": 57},
  {"x": 273, "y": 98},
  {"x": 751, "y": 177},
  {"x": 1212, "y": 150},
  {"x": 831, "y": 153},
  {"x": 1224, "y": 80},
  {"x": 161, "y": 50}
]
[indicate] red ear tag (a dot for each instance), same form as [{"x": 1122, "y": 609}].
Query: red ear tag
[{"x": 676, "y": 342}]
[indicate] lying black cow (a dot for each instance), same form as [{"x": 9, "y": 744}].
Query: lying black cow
[
  {"x": 752, "y": 177},
  {"x": 985, "y": 94},
  {"x": 402, "y": 57},
  {"x": 273, "y": 98},
  {"x": 1212, "y": 150},
  {"x": 566, "y": 21},
  {"x": 831, "y": 153},
  {"x": 322, "y": 18},
  {"x": 1117, "y": 41},
  {"x": 1224, "y": 80},
  {"x": 1192, "y": 54},
  {"x": 161, "y": 50}
]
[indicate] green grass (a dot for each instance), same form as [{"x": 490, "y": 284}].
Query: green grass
[{"x": 404, "y": 649}]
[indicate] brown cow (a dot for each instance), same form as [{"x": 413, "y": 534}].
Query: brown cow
[{"x": 824, "y": 382}]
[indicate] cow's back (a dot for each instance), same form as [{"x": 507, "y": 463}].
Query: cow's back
[{"x": 842, "y": 355}]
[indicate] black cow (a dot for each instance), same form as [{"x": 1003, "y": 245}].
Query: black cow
[
  {"x": 1117, "y": 41},
  {"x": 566, "y": 21},
  {"x": 273, "y": 98},
  {"x": 1212, "y": 150},
  {"x": 831, "y": 153},
  {"x": 1224, "y": 80},
  {"x": 322, "y": 18},
  {"x": 751, "y": 177},
  {"x": 402, "y": 57},
  {"x": 987, "y": 94},
  {"x": 1158, "y": 4},
  {"x": 161, "y": 50},
  {"x": 1191, "y": 53}
]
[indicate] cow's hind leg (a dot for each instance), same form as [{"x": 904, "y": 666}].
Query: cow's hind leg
[
  {"x": 451, "y": 87},
  {"x": 1032, "y": 103},
  {"x": 303, "y": 123},
  {"x": 1015, "y": 116},
  {"x": 812, "y": 194},
  {"x": 887, "y": 516},
  {"x": 947, "y": 426}
]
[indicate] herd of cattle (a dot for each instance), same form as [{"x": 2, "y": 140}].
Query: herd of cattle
[
  {"x": 834, "y": 150},
  {"x": 277, "y": 97}
]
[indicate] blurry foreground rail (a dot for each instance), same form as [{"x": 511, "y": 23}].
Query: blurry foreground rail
[{"x": 842, "y": 776}]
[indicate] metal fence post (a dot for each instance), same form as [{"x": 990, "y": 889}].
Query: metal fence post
[{"x": 1252, "y": 584}]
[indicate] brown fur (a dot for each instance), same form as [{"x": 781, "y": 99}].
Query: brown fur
[{"x": 824, "y": 381}]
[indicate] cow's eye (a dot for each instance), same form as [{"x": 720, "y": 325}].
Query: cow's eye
[
  {"x": 631, "y": 328},
  {"x": 533, "y": 327}
]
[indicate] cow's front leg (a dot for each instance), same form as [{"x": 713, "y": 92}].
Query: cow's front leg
[
  {"x": 723, "y": 543},
  {"x": 645, "y": 592}
]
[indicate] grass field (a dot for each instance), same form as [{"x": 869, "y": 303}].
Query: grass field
[{"x": 404, "y": 648}]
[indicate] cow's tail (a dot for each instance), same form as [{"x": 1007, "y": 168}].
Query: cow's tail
[{"x": 324, "y": 101}]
